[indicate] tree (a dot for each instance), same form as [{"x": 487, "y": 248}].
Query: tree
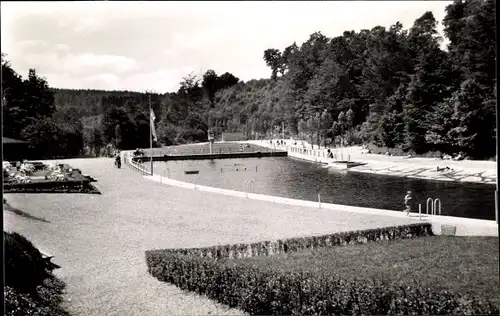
[
  {"x": 273, "y": 59},
  {"x": 226, "y": 80},
  {"x": 44, "y": 138},
  {"x": 325, "y": 123},
  {"x": 335, "y": 129},
  {"x": 190, "y": 86},
  {"x": 210, "y": 85},
  {"x": 342, "y": 122},
  {"x": 432, "y": 81},
  {"x": 471, "y": 28},
  {"x": 390, "y": 86},
  {"x": 117, "y": 116},
  {"x": 40, "y": 99},
  {"x": 302, "y": 127},
  {"x": 118, "y": 135},
  {"x": 474, "y": 118},
  {"x": 15, "y": 115}
]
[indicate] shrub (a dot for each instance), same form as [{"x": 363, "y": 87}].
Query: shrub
[
  {"x": 275, "y": 292},
  {"x": 257, "y": 290},
  {"x": 30, "y": 287},
  {"x": 266, "y": 248},
  {"x": 44, "y": 302},
  {"x": 25, "y": 268}
]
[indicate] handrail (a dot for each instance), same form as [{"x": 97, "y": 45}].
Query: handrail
[
  {"x": 435, "y": 206},
  {"x": 248, "y": 185},
  {"x": 427, "y": 206}
]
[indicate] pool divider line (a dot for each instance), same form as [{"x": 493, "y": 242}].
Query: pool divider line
[{"x": 470, "y": 226}]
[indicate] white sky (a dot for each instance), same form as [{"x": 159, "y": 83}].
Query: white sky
[{"x": 146, "y": 45}]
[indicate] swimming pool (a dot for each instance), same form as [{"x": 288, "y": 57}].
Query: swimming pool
[{"x": 287, "y": 177}]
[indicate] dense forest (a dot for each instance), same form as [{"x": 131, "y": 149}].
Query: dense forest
[{"x": 392, "y": 87}]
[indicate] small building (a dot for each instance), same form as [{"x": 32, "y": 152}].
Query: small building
[
  {"x": 237, "y": 136},
  {"x": 14, "y": 149}
]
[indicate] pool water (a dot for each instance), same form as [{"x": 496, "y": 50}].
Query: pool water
[{"x": 291, "y": 178}]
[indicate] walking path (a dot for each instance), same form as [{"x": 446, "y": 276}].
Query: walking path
[{"x": 100, "y": 240}]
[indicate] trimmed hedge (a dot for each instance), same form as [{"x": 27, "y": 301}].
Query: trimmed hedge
[
  {"x": 275, "y": 292},
  {"x": 267, "y": 248},
  {"x": 25, "y": 268},
  {"x": 30, "y": 287},
  {"x": 265, "y": 291}
]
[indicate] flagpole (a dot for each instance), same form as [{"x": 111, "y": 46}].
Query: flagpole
[{"x": 150, "y": 137}]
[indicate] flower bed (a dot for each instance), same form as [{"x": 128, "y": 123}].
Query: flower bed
[
  {"x": 260, "y": 289},
  {"x": 51, "y": 187},
  {"x": 50, "y": 178}
]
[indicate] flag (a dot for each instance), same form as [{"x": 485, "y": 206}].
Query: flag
[{"x": 152, "y": 118}]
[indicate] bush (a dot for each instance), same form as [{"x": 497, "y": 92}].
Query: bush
[
  {"x": 25, "y": 268},
  {"x": 296, "y": 244},
  {"x": 30, "y": 287},
  {"x": 257, "y": 290},
  {"x": 44, "y": 302},
  {"x": 275, "y": 292}
]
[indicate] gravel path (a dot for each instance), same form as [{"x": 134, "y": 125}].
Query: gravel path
[{"x": 100, "y": 240}]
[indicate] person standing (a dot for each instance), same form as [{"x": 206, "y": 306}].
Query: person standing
[
  {"x": 408, "y": 202},
  {"x": 118, "y": 160}
]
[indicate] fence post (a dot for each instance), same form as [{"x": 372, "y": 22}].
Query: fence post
[
  {"x": 419, "y": 212},
  {"x": 319, "y": 200}
]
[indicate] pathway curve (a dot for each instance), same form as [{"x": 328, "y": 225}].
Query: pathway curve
[{"x": 100, "y": 240}]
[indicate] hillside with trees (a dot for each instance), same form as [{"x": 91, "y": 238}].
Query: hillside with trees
[{"x": 392, "y": 87}]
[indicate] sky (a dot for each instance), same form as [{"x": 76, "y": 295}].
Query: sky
[{"x": 139, "y": 46}]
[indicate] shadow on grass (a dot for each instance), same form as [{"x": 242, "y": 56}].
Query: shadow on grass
[{"x": 16, "y": 211}]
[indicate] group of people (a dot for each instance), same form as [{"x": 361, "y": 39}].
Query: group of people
[{"x": 279, "y": 142}]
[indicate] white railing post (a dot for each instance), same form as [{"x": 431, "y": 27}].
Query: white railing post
[
  {"x": 419, "y": 212},
  {"x": 319, "y": 199}
]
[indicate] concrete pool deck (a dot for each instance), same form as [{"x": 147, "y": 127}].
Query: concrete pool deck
[{"x": 100, "y": 240}]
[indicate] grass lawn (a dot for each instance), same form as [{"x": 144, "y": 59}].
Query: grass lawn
[{"x": 465, "y": 265}]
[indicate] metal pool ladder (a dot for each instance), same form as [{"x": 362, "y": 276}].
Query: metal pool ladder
[
  {"x": 249, "y": 185},
  {"x": 433, "y": 206}
]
